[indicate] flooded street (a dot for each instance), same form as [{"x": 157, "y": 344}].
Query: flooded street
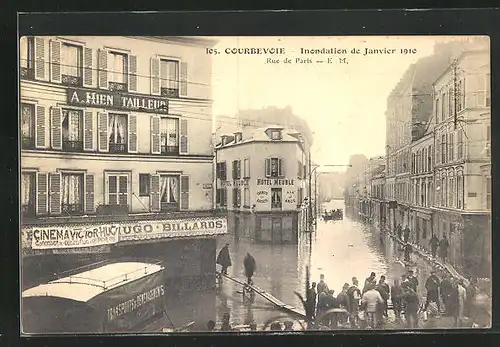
[{"x": 338, "y": 249}]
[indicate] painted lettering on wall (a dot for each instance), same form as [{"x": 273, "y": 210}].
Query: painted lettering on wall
[
  {"x": 275, "y": 182},
  {"x": 262, "y": 197},
  {"x": 290, "y": 197},
  {"x": 235, "y": 183}
]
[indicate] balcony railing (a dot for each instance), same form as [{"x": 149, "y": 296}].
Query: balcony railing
[
  {"x": 277, "y": 206},
  {"x": 170, "y": 206},
  {"x": 117, "y": 148},
  {"x": 72, "y": 146},
  {"x": 72, "y": 81},
  {"x": 119, "y": 87},
  {"x": 28, "y": 142},
  {"x": 72, "y": 209},
  {"x": 28, "y": 73},
  {"x": 170, "y": 92},
  {"x": 170, "y": 150}
]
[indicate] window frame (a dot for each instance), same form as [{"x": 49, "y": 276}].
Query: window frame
[
  {"x": 27, "y": 71},
  {"x": 278, "y": 132},
  {"x": 70, "y": 80},
  {"x": 273, "y": 205},
  {"x": 117, "y": 146},
  {"x": 170, "y": 92},
  {"x": 81, "y": 204},
  {"x": 28, "y": 144},
  {"x": 77, "y": 145},
  {"x": 31, "y": 211},
  {"x": 117, "y": 174},
  {"x": 176, "y": 149},
  {"x": 113, "y": 85}
]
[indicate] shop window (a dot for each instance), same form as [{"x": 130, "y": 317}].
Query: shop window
[
  {"x": 72, "y": 194},
  {"x": 72, "y": 130},
  {"x": 71, "y": 64},
  {"x": 118, "y": 133},
  {"x": 144, "y": 182},
  {"x": 169, "y": 193},
  {"x": 27, "y": 126},
  {"x": 274, "y": 167},
  {"x": 28, "y": 194},
  {"x": 169, "y": 130},
  {"x": 169, "y": 78},
  {"x": 117, "y": 71},
  {"x": 222, "y": 171},
  {"x": 118, "y": 189},
  {"x": 276, "y": 198},
  {"x": 27, "y": 57}
]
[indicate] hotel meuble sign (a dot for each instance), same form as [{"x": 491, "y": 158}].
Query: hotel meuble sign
[{"x": 116, "y": 100}]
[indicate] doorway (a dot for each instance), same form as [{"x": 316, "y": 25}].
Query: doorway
[{"x": 276, "y": 230}]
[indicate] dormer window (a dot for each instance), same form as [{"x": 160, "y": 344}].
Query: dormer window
[
  {"x": 238, "y": 137},
  {"x": 275, "y": 134},
  {"x": 223, "y": 140}
]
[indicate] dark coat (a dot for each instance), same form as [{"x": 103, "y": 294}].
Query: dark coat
[
  {"x": 434, "y": 242},
  {"x": 224, "y": 258},
  {"x": 383, "y": 289},
  {"x": 250, "y": 265},
  {"x": 432, "y": 284},
  {"x": 445, "y": 287},
  {"x": 414, "y": 283},
  {"x": 411, "y": 301}
]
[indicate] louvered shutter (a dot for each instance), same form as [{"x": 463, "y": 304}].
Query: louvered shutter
[
  {"x": 55, "y": 61},
  {"x": 40, "y": 58},
  {"x": 248, "y": 168},
  {"x": 40, "y": 132},
  {"x": 56, "y": 126},
  {"x": 280, "y": 167},
  {"x": 103, "y": 69},
  {"x": 103, "y": 132},
  {"x": 268, "y": 167},
  {"x": 155, "y": 76},
  {"x": 239, "y": 169},
  {"x": 234, "y": 170},
  {"x": 155, "y": 193},
  {"x": 184, "y": 144},
  {"x": 183, "y": 79},
  {"x": 89, "y": 194},
  {"x": 132, "y": 133},
  {"x": 42, "y": 193},
  {"x": 88, "y": 72},
  {"x": 88, "y": 131},
  {"x": 155, "y": 135},
  {"x": 184, "y": 192},
  {"x": 132, "y": 73},
  {"x": 55, "y": 193}
]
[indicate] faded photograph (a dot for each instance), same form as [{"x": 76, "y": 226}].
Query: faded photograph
[{"x": 230, "y": 184}]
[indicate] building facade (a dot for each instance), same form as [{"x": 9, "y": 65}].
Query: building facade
[
  {"x": 262, "y": 181},
  {"x": 116, "y": 155},
  {"x": 462, "y": 203}
]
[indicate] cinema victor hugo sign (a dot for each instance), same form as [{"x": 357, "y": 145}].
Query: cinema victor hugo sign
[
  {"x": 116, "y": 100},
  {"x": 89, "y": 235}
]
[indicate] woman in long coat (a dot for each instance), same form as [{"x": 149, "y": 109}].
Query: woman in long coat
[{"x": 224, "y": 259}]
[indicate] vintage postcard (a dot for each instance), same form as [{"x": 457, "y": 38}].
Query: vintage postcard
[{"x": 193, "y": 184}]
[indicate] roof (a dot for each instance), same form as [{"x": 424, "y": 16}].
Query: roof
[
  {"x": 260, "y": 135},
  {"x": 88, "y": 284}
]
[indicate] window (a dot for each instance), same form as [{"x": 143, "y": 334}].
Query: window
[
  {"x": 444, "y": 107},
  {"x": 169, "y": 192},
  {"x": 246, "y": 197},
  {"x": 117, "y": 71},
  {"x": 461, "y": 95},
  {"x": 169, "y": 78},
  {"x": 488, "y": 141},
  {"x": 117, "y": 130},
  {"x": 144, "y": 181},
  {"x": 71, "y": 64},
  {"x": 222, "y": 171},
  {"x": 276, "y": 201},
  {"x": 413, "y": 163},
  {"x": 444, "y": 190},
  {"x": 438, "y": 151},
  {"x": 236, "y": 169},
  {"x": 237, "y": 137},
  {"x": 221, "y": 197},
  {"x": 72, "y": 130},
  {"x": 488, "y": 193},
  {"x": 451, "y": 102},
  {"x": 460, "y": 190},
  {"x": 72, "y": 193},
  {"x": 276, "y": 135},
  {"x": 443, "y": 149},
  {"x": 236, "y": 197},
  {"x": 451, "y": 152},
  {"x": 27, "y": 126},
  {"x": 28, "y": 193},
  {"x": 274, "y": 167},
  {"x": 460, "y": 144},
  {"x": 27, "y": 56},
  {"x": 438, "y": 110},
  {"x": 169, "y": 130},
  {"x": 118, "y": 189},
  {"x": 246, "y": 168},
  {"x": 429, "y": 158}
]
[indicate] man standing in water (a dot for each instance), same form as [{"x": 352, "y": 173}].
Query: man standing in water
[
  {"x": 250, "y": 267},
  {"x": 322, "y": 286},
  {"x": 224, "y": 259},
  {"x": 354, "y": 295}
]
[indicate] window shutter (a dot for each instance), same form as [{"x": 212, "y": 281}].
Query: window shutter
[
  {"x": 184, "y": 192},
  {"x": 183, "y": 79},
  {"x": 56, "y": 125},
  {"x": 238, "y": 196},
  {"x": 248, "y": 167},
  {"x": 268, "y": 167},
  {"x": 224, "y": 173},
  {"x": 88, "y": 72},
  {"x": 103, "y": 132},
  {"x": 132, "y": 73},
  {"x": 239, "y": 169},
  {"x": 218, "y": 196},
  {"x": 155, "y": 135},
  {"x": 155, "y": 193},
  {"x": 42, "y": 193},
  {"x": 40, "y": 127},
  {"x": 40, "y": 58},
  {"x": 103, "y": 69},
  {"x": 132, "y": 133},
  {"x": 89, "y": 194},
  {"x": 55, "y": 61},
  {"x": 184, "y": 145},
  {"x": 280, "y": 167},
  {"x": 155, "y": 76},
  {"x": 88, "y": 127},
  {"x": 55, "y": 193}
]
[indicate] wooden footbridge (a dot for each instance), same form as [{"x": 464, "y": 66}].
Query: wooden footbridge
[{"x": 267, "y": 296}]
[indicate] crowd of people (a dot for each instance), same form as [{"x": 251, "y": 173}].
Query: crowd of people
[
  {"x": 367, "y": 307},
  {"x": 435, "y": 244}
]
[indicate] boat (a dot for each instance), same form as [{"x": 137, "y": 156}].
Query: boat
[{"x": 333, "y": 215}]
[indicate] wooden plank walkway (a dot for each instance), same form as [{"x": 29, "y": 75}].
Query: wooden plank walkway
[{"x": 267, "y": 296}]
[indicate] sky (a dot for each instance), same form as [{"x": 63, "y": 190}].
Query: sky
[{"x": 344, "y": 104}]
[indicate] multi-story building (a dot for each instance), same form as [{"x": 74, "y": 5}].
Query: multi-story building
[
  {"x": 462, "y": 188},
  {"x": 262, "y": 180},
  {"x": 377, "y": 191},
  {"x": 355, "y": 183},
  {"x": 116, "y": 156}
]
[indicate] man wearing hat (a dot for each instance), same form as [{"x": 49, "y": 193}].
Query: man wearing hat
[
  {"x": 413, "y": 280},
  {"x": 432, "y": 286},
  {"x": 224, "y": 259}
]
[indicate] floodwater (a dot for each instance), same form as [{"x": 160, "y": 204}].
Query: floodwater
[{"x": 338, "y": 249}]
